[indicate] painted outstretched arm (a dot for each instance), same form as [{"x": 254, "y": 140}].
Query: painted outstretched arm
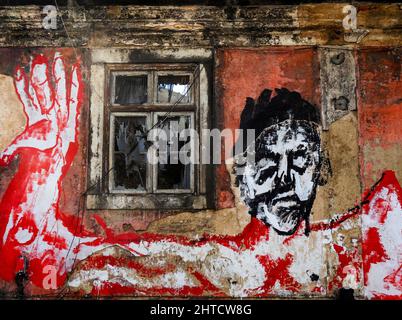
[
  {"x": 30, "y": 219},
  {"x": 51, "y": 112}
]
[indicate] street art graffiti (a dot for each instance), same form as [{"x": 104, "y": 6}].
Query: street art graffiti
[
  {"x": 280, "y": 252},
  {"x": 31, "y": 224},
  {"x": 280, "y": 187}
]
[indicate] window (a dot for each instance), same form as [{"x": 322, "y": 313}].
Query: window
[
  {"x": 130, "y": 171},
  {"x": 136, "y": 99}
]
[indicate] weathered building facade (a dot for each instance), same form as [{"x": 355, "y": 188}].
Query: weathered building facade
[{"x": 84, "y": 212}]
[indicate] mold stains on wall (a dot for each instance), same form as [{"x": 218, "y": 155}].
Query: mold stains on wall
[
  {"x": 377, "y": 25},
  {"x": 201, "y": 26}
]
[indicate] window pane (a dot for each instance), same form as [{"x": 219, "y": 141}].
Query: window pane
[
  {"x": 131, "y": 89},
  {"x": 173, "y": 174},
  {"x": 130, "y": 154},
  {"x": 172, "y": 89}
]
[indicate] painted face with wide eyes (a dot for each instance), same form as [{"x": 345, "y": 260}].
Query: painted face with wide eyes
[{"x": 280, "y": 186}]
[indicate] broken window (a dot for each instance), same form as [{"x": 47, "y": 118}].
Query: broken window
[
  {"x": 130, "y": 168},
  {"x": 151, "y": 97},
  {"x": 173, "y": 89},
  {"x": 129, "y": 153},
  {"x": 173, "y": 174},
  {"x": 133, "y": 99}
]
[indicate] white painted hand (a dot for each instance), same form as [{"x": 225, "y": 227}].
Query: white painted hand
[{"x": 51, "y": 111}]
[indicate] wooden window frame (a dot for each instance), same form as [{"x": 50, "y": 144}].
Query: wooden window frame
[{"x": 104, "y": 197}]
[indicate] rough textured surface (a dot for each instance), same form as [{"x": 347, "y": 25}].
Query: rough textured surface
[
  {"x": 222, "y": 251},
  {"x": 230, "y": 221},
  {"x": 323, "y": 23},
  {"x": 338, "y": 84},
  {"x": 138, "y": 26},
  {"x": 342, "y": 190},
  {"x": 344, "y": 156},
  {"x": 10, "y": 108},
  {"x": 380, "y": 112}
]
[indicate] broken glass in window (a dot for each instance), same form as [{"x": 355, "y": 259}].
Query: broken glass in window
[
  {"x": 174, "y": 89},
  {"x": 130, "y": 154},
  {"x": 173, "y": 173}
]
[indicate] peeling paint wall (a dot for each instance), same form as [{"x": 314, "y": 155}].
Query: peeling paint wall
[{"x": 58, "y": 234}]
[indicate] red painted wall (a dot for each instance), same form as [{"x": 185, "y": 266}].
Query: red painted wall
[{"x": 379, "y": 111}]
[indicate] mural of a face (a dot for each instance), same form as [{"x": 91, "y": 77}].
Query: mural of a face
[
  {"x": 280, "y": 186},
  {"x": 279, "y": 183}
]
